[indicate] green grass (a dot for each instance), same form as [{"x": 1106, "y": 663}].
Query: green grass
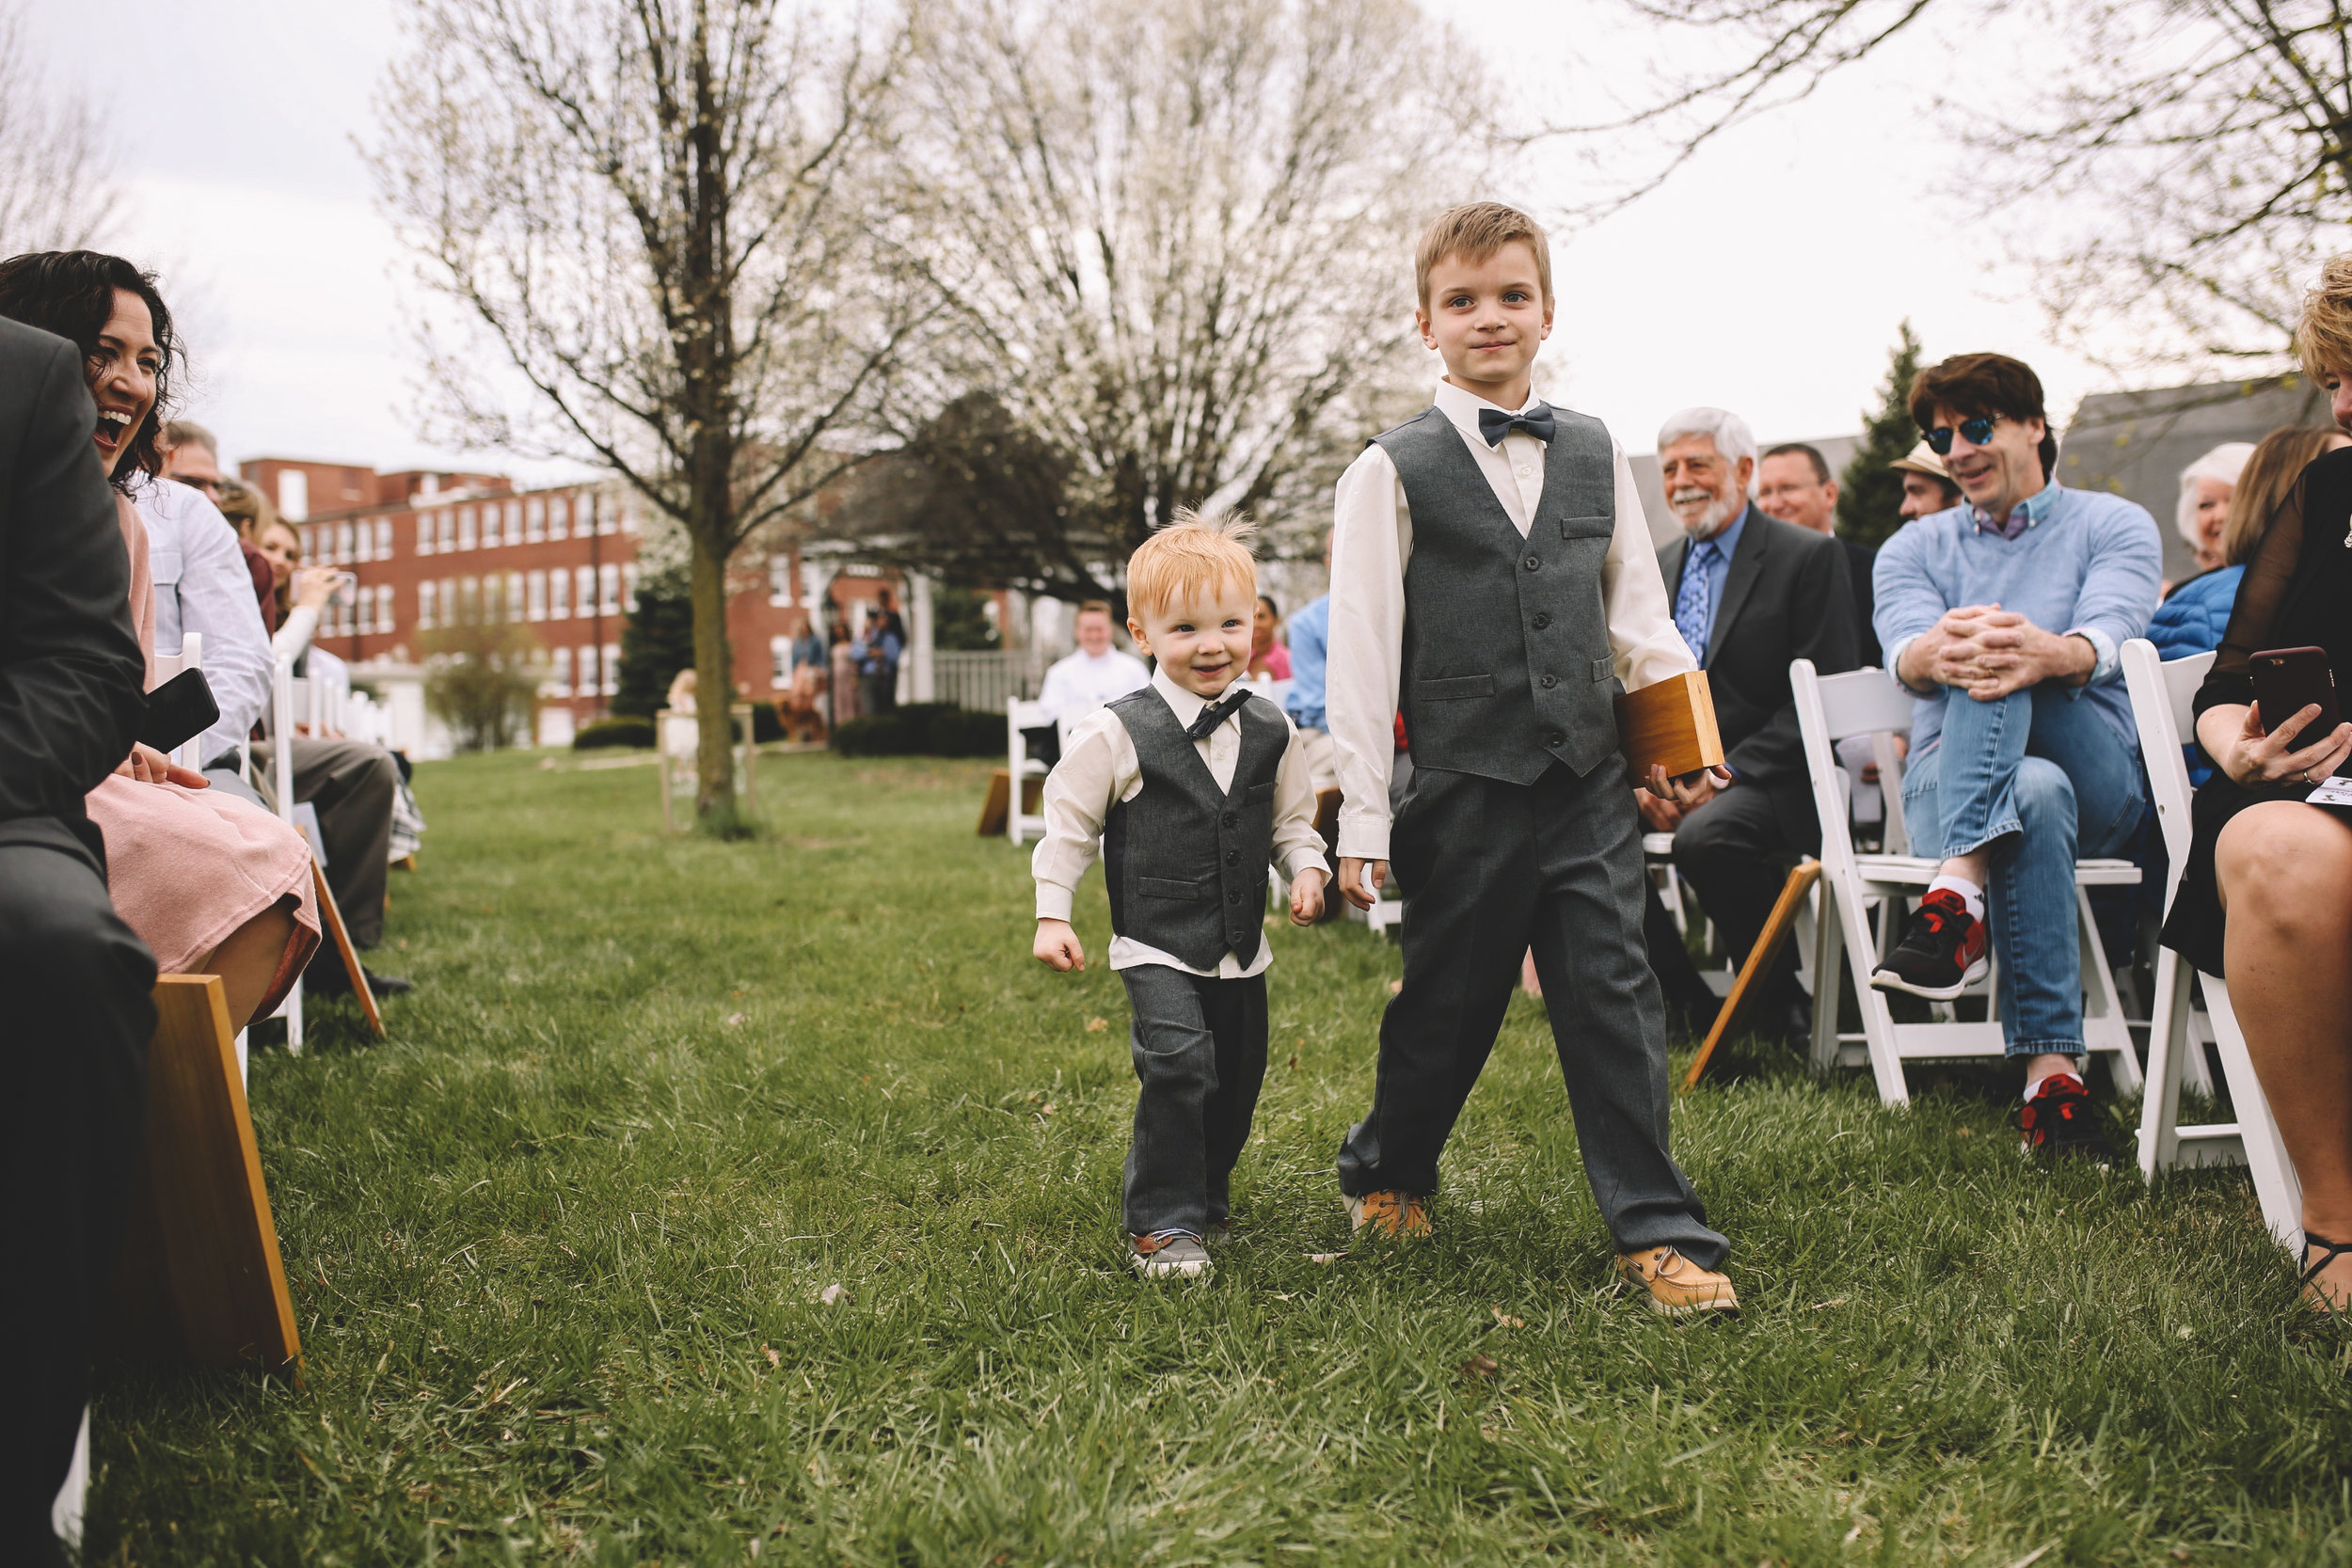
[{"x": 559, "y": 1250}]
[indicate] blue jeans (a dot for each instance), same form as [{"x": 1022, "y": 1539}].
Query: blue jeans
[{"x": 2039, "y": 779}]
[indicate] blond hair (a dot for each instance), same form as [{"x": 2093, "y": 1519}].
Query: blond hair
[
  {"x": 2262, "y": 486},
  {"x": 1194, "y": 550},
  {"x": 1475, "y": 231},
  {"x": 2322, "y": 338}
]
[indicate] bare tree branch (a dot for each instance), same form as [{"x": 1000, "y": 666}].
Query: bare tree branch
[{"x": 58, "y": 184}]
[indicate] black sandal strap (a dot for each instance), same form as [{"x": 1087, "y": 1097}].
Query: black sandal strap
[{"x": 2329, "y": 1252}]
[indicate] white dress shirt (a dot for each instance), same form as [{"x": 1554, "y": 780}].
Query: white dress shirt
[
  {"x": 1081, "y": 681},
  {"x": 1098, "y": 768},
  {"x": 202, "y": 586},
  {"x": 1372, "y": 539}
]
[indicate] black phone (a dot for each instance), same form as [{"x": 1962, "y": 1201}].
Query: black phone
[
  {"x": 178, "y": 711},
  {"x": 2287, "y": 681}
]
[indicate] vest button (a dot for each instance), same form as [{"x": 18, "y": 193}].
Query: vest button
[
  {"x": 1233, "y": 897},
  {"x": 1535, "y": 561},
  {"x": 1551, "y": 681},
  {"x": 1232, "y": 819},
  {"x": 1232, "y": 857},
  {"x": 1555, "y": 738},
  {"x": 1543, "y": 619}
]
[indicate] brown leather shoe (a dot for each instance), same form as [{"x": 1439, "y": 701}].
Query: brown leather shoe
[
  {"x": 1390, "y": 1214},
  {"x": 1678, "y": 1287}
]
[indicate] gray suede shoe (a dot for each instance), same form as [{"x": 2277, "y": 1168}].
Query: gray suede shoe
[{"x": 1170, "y": 1255}]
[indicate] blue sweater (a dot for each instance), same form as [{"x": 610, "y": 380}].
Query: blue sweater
[
  {"x": 2193, "y": 619},
  {"x": 1310, "y": 648},
  {"x": 2090, "y": 562}
]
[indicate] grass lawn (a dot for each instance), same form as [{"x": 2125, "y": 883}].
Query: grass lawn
[{"x": 561, "y": 1253}]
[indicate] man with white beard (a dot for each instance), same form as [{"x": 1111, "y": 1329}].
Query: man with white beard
[{"x": 1750, "y": 593}]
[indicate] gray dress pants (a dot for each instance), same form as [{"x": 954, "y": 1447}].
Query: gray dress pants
[
  {"x": 1491, "y": 870},
  {"x": 76, "y": 1016},
  {"x": 1200, "y": 1054},
  {"x": 352, "y": 783}
]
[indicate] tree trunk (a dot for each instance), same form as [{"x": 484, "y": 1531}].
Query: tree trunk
[{"x": 714, "y": 686}]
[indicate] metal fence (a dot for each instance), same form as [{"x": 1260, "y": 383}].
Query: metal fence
[{"x": 983, "y": 682}]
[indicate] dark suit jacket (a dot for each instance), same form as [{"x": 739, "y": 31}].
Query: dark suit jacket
[
  {"x": 1860, "y": 559},
  {"x": 1786, "y": 595},
  {"x": 71, "y": 672}
]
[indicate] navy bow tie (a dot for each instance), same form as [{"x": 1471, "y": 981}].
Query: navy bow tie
[
  {"x": 1494, "y": 424},
  {"x": 1213, "y": 715}
]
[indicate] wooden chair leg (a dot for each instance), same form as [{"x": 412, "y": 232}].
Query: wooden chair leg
[
  {"x": 1750, "y": 980},
  {"x": 331, "y": 916},
  {"x": 202, "y": 1274}
]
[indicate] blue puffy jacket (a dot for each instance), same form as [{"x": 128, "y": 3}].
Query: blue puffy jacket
[{"x": 2196, "y": 616}]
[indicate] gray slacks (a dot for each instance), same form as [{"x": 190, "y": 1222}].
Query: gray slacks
[
  {"x": 352, "y": 783},
  {"x": 76, "y": 1016},
  {"x": 1491, "y": 870},
  {"x": 1200, "y": 1055}
]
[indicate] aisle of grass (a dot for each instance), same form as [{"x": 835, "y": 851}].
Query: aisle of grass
[{"x": 560, "y": 1250}]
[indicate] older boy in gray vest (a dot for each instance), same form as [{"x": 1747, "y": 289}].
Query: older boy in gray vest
[
  {"x": 1493, "y": 579},
  {"x": 1194, "y": 786}
]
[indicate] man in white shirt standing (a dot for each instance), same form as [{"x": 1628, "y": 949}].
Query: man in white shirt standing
[
  {"x": 1095, "y": 675},
  {"x": 1492, "y": 574}
]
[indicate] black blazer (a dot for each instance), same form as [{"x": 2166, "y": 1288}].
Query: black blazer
[
  {"x": 71, "y": 671},
  {"x": 1786, "y": 595}
]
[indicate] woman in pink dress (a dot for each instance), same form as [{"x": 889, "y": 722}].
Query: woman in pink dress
[
  {"x": 1267, "y": 657},
  {"x": 214, "y": 885}
]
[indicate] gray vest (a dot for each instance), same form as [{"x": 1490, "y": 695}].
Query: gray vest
[
  {"x": 1507, "y": 662},
  {"x": 1186, "y": 862}
]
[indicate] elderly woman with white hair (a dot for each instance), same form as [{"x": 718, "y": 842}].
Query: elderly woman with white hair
[{"x": 2206, "y": 487}]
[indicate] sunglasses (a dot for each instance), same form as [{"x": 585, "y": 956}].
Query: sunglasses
[{"x": 1975, "y": 431}]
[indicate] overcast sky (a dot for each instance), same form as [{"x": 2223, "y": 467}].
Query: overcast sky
[{"x": 1768, "y": 277}]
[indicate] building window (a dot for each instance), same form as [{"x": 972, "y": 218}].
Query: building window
[
  {"x": 535, "y": 520},
  {"x": 559, "y": 509},
  {"x": 424, "y": 607},
  {"x": 343, "y": 545},
  {"x": 383, "y": 539},
  {"x": 310, "y": 545},
  {"x": 470, "y": 600},
  {"x": 424, "y": 533},
  {"x": 585, "y": 590},
  {"x": 629, "y": 587},
  {"x": 779, "y": 579},
  {"x": 489, "y": 528},
  {"x": 514, "y": 522},
  {"x": 609, "y": 589},
  {"x": 559, "y": 594},
  {"x": 513, "y": 594},
  {"x": 628, "y": 510},
  {"x": 346, "y": 613},
  {"x": 560, "y": 677},
  {"x": 384, "y": 622},
  {"x": 587, "y": 686},
  {"x": 535, "y": 595},
  {"x": 612, "y": 669},
  {"x": 779, "y": 662},
  {"x": 293, "y": 494},
  {"x": 465, "y": 527}
]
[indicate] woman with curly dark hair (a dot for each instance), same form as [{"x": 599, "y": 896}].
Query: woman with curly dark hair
[{"x": 213, "y": 884}]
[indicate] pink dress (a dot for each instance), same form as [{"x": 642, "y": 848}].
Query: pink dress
[{"x": 188, "y": 867}]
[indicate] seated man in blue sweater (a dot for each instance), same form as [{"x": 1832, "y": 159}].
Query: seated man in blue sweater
[{"x": 2006, "y": 615}]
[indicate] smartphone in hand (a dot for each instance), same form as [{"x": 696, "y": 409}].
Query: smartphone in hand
[{"x": 2287, "y": 681}]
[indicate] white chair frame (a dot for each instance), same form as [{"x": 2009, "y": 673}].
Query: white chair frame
[
  {"x": 1870, "y": 702},
  {"x": 2161, "y": 695},
  {"x": 1020, "y": 714}
]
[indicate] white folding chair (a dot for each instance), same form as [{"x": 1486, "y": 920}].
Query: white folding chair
[
  {"x": 281, "y": 785},
  {"x": 2161, "y": 694},
  {"x": 66, "y": 1512},
  {"x": 190, "y": 656},
  {"x": 1023, "y": 715},
  {"x": 1869, "y": 701}
]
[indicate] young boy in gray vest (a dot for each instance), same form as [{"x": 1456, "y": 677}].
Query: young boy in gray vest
[
  {"x": 1493, "y": 581},
  {"x": 1194, "y": 786}
]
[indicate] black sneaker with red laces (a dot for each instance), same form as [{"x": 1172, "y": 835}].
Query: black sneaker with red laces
[
  {"x": 2058, "y": 1122},
  {"x": 1942, "y": 953}
]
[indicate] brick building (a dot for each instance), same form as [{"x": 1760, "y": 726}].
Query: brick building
[{"x": 429, "y": 547}]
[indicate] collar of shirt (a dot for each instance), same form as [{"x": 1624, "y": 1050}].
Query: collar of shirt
[
  {"x": 1461, "y": 407},
  {"x": 1727, "y": 541},
  {"x": 2033, "y": 509},
  {"x": 1186, "y": 704}
]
